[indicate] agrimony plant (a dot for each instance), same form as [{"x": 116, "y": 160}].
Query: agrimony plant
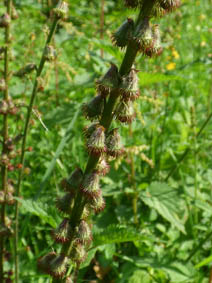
[{"x": 116, "y": 92}]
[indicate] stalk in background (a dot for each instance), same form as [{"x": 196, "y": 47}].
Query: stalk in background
[
  {"x": 49, "y": 54},
  {"x": 116, "y": 91}
]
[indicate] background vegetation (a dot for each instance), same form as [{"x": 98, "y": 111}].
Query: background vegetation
[{"x": 156, "y": 226}]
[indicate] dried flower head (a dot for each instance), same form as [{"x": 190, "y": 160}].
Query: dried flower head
[
  {"x": 63, "y": 232},
  {"x": 96, "y": 142},
  {"x": 124, "y": 33},
  {"x": 93, "y": 109},
  {"x": 113, "y": 143},
  {"x": 129, "y": 86},
  {"x": 125, "y": 112},
  {"x": 109, "y": 81}
]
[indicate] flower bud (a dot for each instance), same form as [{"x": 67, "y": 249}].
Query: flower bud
[
  {"x": 113, "y": 143},
  {"x": 12, "y": 109},
  {"x": 63, "y": 232},
  {"x": 50, "y": 53},
  {"x": 123, "y": 35},
  {"x": 96, "y": 142},
  {"x": 169, "y": 5},
  {"x": 9, "y": 198},
  {"x": 58, "y": 266},
  {"x": 109, "y": 81},
  {"x": 5, "y": 20},
  {"x": 43, "y": 262},
  {"x": 94, "y": 108},
  {"x": 97, "y": 203},
  {"x": 25, "y": 70},
  {"x": 88, "y": 130},
  {"x": 90, "y": 184},
  {"x": 2, "y": 85},
  {"x": 9, "y": 144},
  {"x": 5, "y": 229},
  {"x": 143, "y": 35},
  {"x": 131, "y": 3},
  {"x": 63, "y": 204},
  {"x": 102, "y": 167},
  {"x": 125, "y": 112},
  {"x": 86, "y": 212},
  {"x": 129, "y": 87},
  {"x": 78, "y": 253},
  {"x": 68, "y": 280},
  {"x": 61, "y": 10},
  {"x": 83, "y": 233}
]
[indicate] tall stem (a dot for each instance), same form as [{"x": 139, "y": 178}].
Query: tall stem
[
  {"x": 5, "y": 135},
  {"x": 102, "y": 16},
  {"x": 105, "y": 121},
  {"x": 23, "y": 146}
]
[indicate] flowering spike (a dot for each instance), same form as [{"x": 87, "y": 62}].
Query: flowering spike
[
  {"x": 90, "y": 184},
  {"x": 125, "y": 112},
  {"x": 102, "y": 167},
  {"x": 78, "y": 253},
  {"x": 83, "y": 233},
  {"x": 58, "y": 266},
  {"x": 123, "y": 35},
  {"x": 63, "y": 232},
  {"x": 113, "y": 142},
  {"x": 96, "y": 142},
  {"x": 63, "y": 204},
  {"x": 43, "y": 262},
  {"x": 97, "y": 203},
  {"x": 129, "y": 87},
  {"x": 61, "y": 10},
  {"x": 109, "y": 81},
  {"x": 94, "y": 108}
]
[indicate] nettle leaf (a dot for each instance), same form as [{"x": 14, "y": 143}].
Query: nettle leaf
[
  {"x": 116, "y": 234},
  {"x": 151, "y": 78},
  {"x": 39, "y": 209},
  {"x": 167, "y": 202}
]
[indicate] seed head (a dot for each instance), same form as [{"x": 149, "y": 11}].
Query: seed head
[
  {"x": 5, "y": 20},
  {"x": 113, "y": 143},
  {"x": 109, "y": 81},
  {"x": 63, "y": 232},
  {"x": 58, "y": 266},
  {"x": 94, "y": 108},
  {"x": 129, "y": 87},
  {"x": 90, "y": 184},
  {"x": 124, "y": 34},
  {"x": 125, "y": 112},
  {"x": 96, "y": 142},
  {"x": 61, "y": 10},
  {"x": 63, "y": 204}
]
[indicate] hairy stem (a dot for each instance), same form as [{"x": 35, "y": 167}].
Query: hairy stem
[
  {"x": 23, "y": 146},
  {"x": 5, "y": 135}
]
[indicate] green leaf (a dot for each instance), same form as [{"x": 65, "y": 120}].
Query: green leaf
[
  {"x": 37, "y": 208},
  {"x": 166, "y": 201},
  {"x": 116, "y": 234},
  {"x": 151, "y": 78}
]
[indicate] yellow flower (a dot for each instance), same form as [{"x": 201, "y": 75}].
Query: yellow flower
[
  {"x": 171, "y": 66},
  {"x": 203, "y": 43},
  {"x": 175, "y": 54}
]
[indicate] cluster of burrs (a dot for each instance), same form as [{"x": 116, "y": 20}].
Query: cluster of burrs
[{"x": 103, "y": 144}]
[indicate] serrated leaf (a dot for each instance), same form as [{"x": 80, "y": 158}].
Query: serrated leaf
[
  {"x": 151, "y": 78},
  {"x": 37, "y": 208},
  {"x": 166, "y": 201},
  {"x": 116, "y": 234}
]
